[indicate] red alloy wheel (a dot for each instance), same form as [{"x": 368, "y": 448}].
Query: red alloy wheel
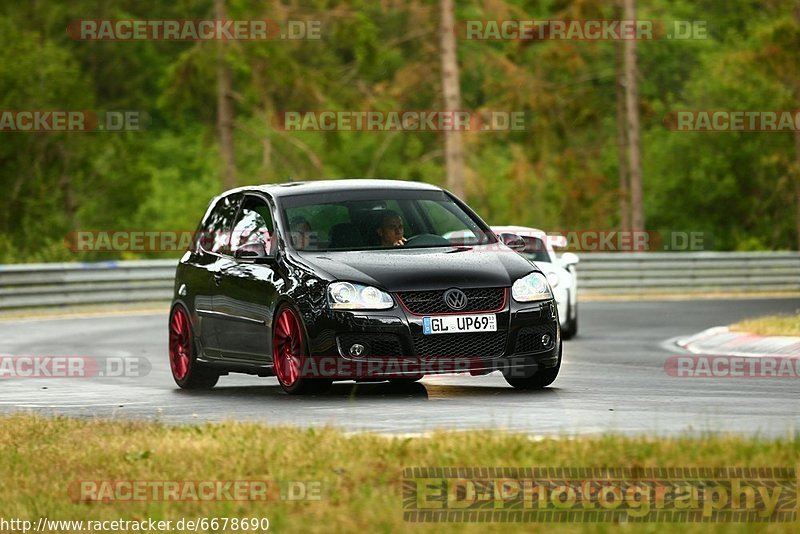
[
  {"x": 180, "y": 343},
  {"x": 287, "y": 347}
]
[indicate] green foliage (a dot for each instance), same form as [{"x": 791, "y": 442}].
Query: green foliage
[{"x": 560, "y": 173}]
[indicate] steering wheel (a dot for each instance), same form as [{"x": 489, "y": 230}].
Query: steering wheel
[{"x": 427, "y": 240}]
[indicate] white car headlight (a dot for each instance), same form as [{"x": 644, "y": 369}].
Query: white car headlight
[
  {"x": 531, "y": 288},
  {"x": 553, "y": 279},
  {"x": 350, "y": 296}
]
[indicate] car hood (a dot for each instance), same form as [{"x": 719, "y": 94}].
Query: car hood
[{"x": 404, "y": 269}]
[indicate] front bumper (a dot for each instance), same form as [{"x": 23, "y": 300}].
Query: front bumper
[{"x": 394, "y": 345}]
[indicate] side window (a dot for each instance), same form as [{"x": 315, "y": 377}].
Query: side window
[
  {"x": 215, "y": 234},
  {"x": 309, "y": 226},
  {"x": 448, "y": 221},
  {"x": 253, "y": 227},
  {"x": 442, "y": 219}
]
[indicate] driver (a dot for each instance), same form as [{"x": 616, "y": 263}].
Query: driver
[
  {"x": 390, "y": 230},
  {"x": 301, "y": 233}
]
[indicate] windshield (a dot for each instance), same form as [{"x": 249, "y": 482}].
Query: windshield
[{"x": 379, "y": 220}]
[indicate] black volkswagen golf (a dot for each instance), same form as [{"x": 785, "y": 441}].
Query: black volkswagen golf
[{"x": 356, "y": 280}]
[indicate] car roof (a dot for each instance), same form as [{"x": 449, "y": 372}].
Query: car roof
[
  {"x": 522, "y": 230},
  {"x": 329, "y": 186}
]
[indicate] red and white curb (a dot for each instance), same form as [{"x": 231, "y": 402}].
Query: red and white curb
[{"x": 719, "y": 341}]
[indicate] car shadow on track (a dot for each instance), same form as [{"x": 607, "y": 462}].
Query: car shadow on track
[{"x": 373, "y": 390}]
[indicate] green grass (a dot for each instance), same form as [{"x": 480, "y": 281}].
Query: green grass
[
  {"x": 361, "y": 474},
  {"x": 771, "y": 325}
]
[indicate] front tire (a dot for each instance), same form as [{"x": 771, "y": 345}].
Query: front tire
[
  {"x": 543, "y": 377},
  {"x": 187, "y": 372},
  {"x": 289, "y": 352}
]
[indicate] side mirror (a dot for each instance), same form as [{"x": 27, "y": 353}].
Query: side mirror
[
  {"x": 253, "y": 252},
  {"x": 512, "y": 241},
  {"x": 569, "y": 259}
]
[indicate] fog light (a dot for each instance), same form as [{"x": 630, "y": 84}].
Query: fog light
[
  {"x": 546, "y": 340},
  {"x": 356, "y": 349}
]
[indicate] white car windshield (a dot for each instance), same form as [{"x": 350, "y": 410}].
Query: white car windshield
[{"x": 536, "y": 249}]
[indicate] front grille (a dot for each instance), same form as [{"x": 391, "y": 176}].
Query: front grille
[
  {"x": 472, "y": 345},
  {"x": 529, "y": 338},
  {"x": 377, "y": 345},
  {"x": 432, "y": 302}
]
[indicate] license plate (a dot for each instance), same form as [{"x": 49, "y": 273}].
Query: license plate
[{"x": 456, "y": 324}]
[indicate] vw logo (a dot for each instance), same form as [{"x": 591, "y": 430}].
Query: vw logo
[{"x": 455, "y": 299}]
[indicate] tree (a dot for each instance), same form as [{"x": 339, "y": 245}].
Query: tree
[
  {"x": 634, "y": 134},
  {"x": 797, "y": 135},
  {"x": 454, "y": 151},
  {"x": 779, "y": 58},
  {"x": 225, "y": 106},
  {"x": 622, "y": 141}
]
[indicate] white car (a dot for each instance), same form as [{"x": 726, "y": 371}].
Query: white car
[{"x": 560, "y": 271}]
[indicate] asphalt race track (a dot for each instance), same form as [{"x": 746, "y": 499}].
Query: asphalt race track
[{"x": 612, "y": 380}]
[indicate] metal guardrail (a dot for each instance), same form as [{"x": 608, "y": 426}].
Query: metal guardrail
[
  {"x": 675, "y": 272},
  {"x": 119, "y": 282},
  {"x": 67, "y": 284}
]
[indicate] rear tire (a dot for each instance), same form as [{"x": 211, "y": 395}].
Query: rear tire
[
  {"x": 187, "y": 372},
  {"x": 571, "y": 330},
  {"x": 541, "y": 378}
]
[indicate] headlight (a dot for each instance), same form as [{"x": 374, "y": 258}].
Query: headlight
[
  {"x": 349, "y": 296},
  {"x": 531, "y": 288},
  {"x": 553, "y": 279}
]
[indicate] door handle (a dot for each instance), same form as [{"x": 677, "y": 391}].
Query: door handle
[{"x": 217, "y": 279}]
